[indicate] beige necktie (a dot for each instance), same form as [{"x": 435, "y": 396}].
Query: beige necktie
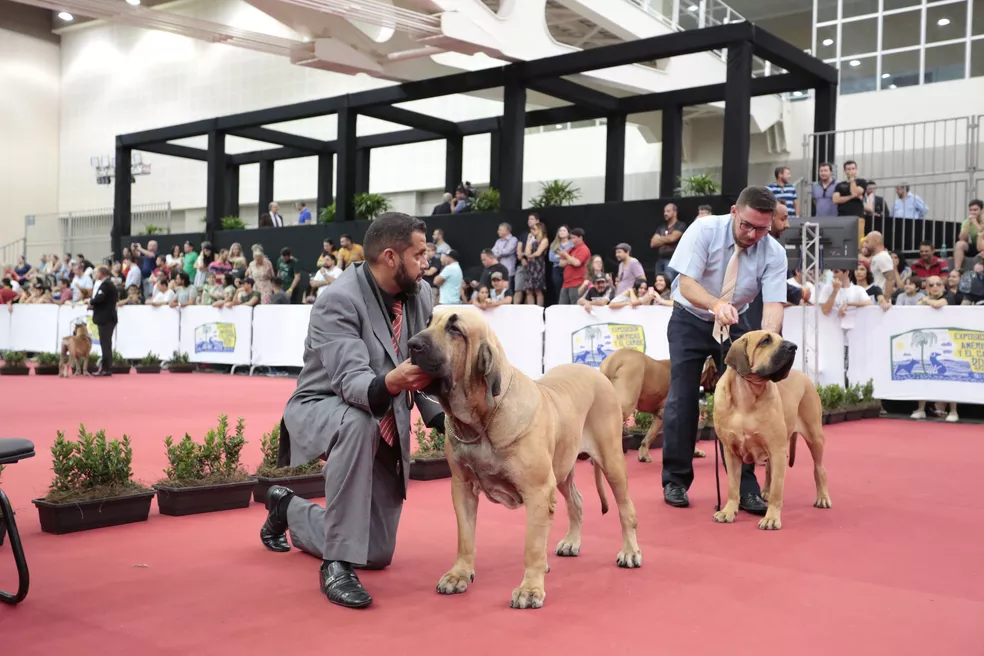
[{"x": 722, "y": 333}]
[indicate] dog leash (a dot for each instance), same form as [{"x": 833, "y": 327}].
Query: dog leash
[{"x": 717, "y": 443}]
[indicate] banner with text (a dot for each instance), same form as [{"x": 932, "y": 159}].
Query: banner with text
[
  {"x": 519, "y": 328},
  {"x": 921, "y": 354},
  {"x": 576, "y": 335},
  {"x": 217, "y": 335}
]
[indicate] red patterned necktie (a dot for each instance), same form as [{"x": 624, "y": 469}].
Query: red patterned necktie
[{"x": 387, "y": 427}]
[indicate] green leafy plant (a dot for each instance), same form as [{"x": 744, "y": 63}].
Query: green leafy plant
[
  {"x": 487, "y": 201},
  {"x": 369, "y": 206},
  {"x": 429, "y": 444},
  {"x": 697, "y": 185},
  {"x": 556, "y": 193},
  {"x": 213, "y": 462},
  {"x": 834, "y": 397},
  {"x": 149, "y": 360},
  {"x": 643, "y": 420},
  {"x": 48, "y": 359},
  {"x": 232, "y": 223},
  {"x": 178, "y": 358},
  {"x": 327, "y": 214},
  {"x": 91, "y": 467},
  {"x": 852, "y": 397},
  {"x": 14, "y": 359},
  {"x": 152, "y": 229},
  {"x": 119, "y": 360},
  {"x": 270, "y": 447},
  {"x": 706, "y": 412},
  {"x": 93, "y": 360}
]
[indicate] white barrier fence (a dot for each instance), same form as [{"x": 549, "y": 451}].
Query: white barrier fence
[{"x": 910, "y": 353}]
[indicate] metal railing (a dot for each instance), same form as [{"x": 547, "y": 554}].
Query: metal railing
[
  {"x": 939, "y": 160},
  {"x": 10, "y": 251}
]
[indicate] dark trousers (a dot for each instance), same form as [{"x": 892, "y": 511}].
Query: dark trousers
[
  {"x": 106, "y": 344},
  {"x": 691, "y": 341}
]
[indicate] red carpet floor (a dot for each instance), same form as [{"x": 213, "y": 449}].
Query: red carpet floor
[{"x": 893, "y": 568}]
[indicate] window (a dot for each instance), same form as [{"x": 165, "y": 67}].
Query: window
[
  {"x": 854, "y": 8},
  {"x": 977, "y": 21},
  {"x": 859, "y": 37},
  {"x": 826, "y": 45},
  {"x": 900, "y": 4},
  {"x": 945, "y": 63},
  {"x": 858, "y": 75},
  {"x": 977, "y": 58},
  {"x": 900, "y": 69},
  {"x": 946, "y": 22},
  {"x": 901, "y": 30},
  {"x": 826, "y": 10}
]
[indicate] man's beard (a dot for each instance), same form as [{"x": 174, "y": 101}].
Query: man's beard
[{"x": 407, "y": 284}]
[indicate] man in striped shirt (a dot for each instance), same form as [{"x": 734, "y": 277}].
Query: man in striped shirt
[{"x": 784, "y": 191}]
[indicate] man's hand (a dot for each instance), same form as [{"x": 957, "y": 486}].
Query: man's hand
[
  {"x": 726, "y": 314},
  {"x": 406, "y": 377}
]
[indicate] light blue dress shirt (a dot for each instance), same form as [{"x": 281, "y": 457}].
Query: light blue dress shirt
[{"x": 703, "y": 254}]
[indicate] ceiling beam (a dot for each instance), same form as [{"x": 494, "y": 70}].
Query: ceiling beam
[
  {"x": 174, "y": 150},
  {"x": 412, "y": 119},
  {"x": 280, "y": 138}
]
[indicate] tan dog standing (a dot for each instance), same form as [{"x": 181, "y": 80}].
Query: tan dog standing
[
  {"x": 642, "y": 384},
  {"x": 75, "y": 351},
  {"x": 517, "y": 441},
  {"x": 760, "y": 405}
]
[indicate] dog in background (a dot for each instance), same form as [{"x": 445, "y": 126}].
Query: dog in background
[
  {"x": 760, "y": 405},
  {"x": 75, "y": 351},
  {"x": 642, "y": 385}
]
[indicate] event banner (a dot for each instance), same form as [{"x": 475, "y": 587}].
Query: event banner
[
  {"x": 5, "y": 315},
  {"x": 922, "y": 354},
  {"x": 147, "y": 329},
  {"x": 519, "y": 328},
  {"x": 34, "y": 328},
  {"x": 576, "y": 335},
  {"x": 279, "y": 333},
  {"x": 217, "y": 335}
]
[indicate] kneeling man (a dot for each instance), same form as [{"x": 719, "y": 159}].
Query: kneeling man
[{"x": 352, "y": 408}]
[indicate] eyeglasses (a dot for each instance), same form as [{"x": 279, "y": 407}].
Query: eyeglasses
[{"x": 745, "y": 226}]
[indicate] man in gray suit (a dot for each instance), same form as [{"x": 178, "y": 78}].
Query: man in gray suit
[{"x": 352, "y": 408}]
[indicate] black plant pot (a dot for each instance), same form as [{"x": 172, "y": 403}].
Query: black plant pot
[
  {"x": 46, "y": 370},
  {"x": 707, "y": 434},
  {"x": 826, "y": 417},
  {"x": 179, "y": 501},
  {"x": 92, "y": 368},
  {"x": 837, "y": 416},
  {"x": 185, "y": 368},
  {"x": 73, "y": 516},
  {"x": 854, "y": 415},
  {"x": 872, "y": 412},
  {"x": 14, "y": 371},
  {"x": 120, "y": 368},
  {"x": 428, "y": 469},
  {"x": 632, "y": 440},
  {"x": 305, "y": 486},
  {"x": 148, "y": 368}
]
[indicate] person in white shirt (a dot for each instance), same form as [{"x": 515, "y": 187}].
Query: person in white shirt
[
  {"x": 81, "y": 285},
  {"x": 327, "y": 274},
  {"x": 163, "y": 294},
  {"x": 449, "y": 279},
  {"x": 809, "y": 291},
  {"x": 843, "y": 296},
  {"x": 499, "y": 294}
]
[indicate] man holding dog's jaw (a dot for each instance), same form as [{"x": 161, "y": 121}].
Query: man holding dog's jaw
[
  {"x": 352, "y": 408},
  {"x": 736, "y": 249}
]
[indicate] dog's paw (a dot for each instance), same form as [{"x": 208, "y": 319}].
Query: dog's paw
[
  {"x": 567, "y": 547},
  {"x": 823, "y": 502},
  {"x": 645, "y": 457},
  {"x": 527, "y": 596},
  {"x": 725, "y": 516},
  {"x": 455, "y": 582},
  {"x": 699, "y": 453},
  {"x": 629, "y": 558},
  {"x": 770, "y": 523}
]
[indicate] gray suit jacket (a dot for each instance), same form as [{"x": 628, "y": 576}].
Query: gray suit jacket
[{"x": 348, "y": 344}]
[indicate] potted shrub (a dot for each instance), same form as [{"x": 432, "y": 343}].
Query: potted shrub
[
  {"x": 853, "y": 408},
  {"x": 180, "y": 364},
  {"x": 14, "y": 364},
  {"x": 93, "y": 485},
  {"x": 872, "y": 406},
  {"x": 429, "y": 461},
  {"x": 706, "y": 421},
  {"x": 306, "y": 480},
  {"x": 149, "y": 364},
  {"x": 93, "y": 364},
  {"x": 835, "y": 403},
  {"x": 632, "y": 436},
  {"x": 205, "y": 477},
  {"x": 47, "y": 364},
  {"x": 120, "y": 364}
]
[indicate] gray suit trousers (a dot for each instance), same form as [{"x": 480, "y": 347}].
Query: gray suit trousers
[{"x": 363, "y": 498}]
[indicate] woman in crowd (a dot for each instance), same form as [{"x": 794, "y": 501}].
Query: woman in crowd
[
  {"x": 536, "y": 265},
  {"x": 261, "y": 271},
  {"x": 562, "y": 242}
]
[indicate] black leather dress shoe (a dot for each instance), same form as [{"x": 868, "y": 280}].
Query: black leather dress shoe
[
  {"x": 675, "y": 496},
  {"x": 341, "y": 585},
  {"x": 753, "y": 504},
  {"x": 273, "y": 533}
]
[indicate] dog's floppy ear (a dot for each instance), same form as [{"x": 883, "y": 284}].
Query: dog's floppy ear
[
  {"x": 487, "y": 368},
  {"x": 737, "y": 358}
]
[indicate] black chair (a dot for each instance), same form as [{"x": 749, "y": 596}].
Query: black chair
[{"x": 13, "y": 450}]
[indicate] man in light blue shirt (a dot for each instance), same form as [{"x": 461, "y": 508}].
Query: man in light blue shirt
[
  {"x": 701, "y": 259},
  {"x": 449, "y": 279}
]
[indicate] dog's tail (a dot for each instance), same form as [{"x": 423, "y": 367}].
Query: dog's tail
[
  {"x": 600, "y": 484},
  {"x": 792, "y": 447}
]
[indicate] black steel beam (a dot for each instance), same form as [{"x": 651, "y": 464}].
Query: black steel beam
[
  {"x": 345, "y": 171},
  {"x": 454, "y": 153},
  {"x": 266, "y": 187},
  {"x": 785, "y": 55},
  {"x": 737, "y": 117},
  {"x": 412, "y": 119},
  {"x": 257, "y": 156},
  {"x": 671, "y": 151},
  {"x": 215, "y": 190},
  {"x": 511, "y": 146},
  {"x": 170, "y": 133},
  {"x": 174, "y": 150},
  {"x": 824, "y": 124},
  {"x": 495, "y": 159},
  {"x": 326, "y": 182},
  {"x": 363, "y": 159},
  {"x": 615, "y": 159},
  {"x": 575, "y": 93},
  {"x": 279, "y": 138},
  {"x": 122, "y": 198},
  {"x": 712, "y": 93},
  {"x": 231, "y": 189}
]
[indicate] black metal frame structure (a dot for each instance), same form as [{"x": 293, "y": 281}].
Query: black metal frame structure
[
  {"x": 741, "y": 40},
  {"x": 8, "y": 532}
]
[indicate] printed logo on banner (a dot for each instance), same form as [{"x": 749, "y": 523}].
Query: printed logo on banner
[
  {"x": 93, "y": 331},
  {"x": 952, "y": 355},
  {"x": 592, "y": 344},
  {"x": 215, "y": 338}
]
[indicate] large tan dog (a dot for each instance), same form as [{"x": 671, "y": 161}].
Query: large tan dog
[
  {"x": 517, "y": 441},
  {"x": 75, "y": 351},
  {"x": 760, "y": 405},
  {"x": 642, "y": 384}
]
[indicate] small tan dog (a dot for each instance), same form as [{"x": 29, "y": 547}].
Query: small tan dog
[
  {"x": 760, "y": 405},
  {"x": 517, "y": 441},
  {"x": 642, "y": 385},
  {"x": 75, "y": 351}
]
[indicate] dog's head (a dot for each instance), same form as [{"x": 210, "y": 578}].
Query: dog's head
[
  {"x": 81, "y": 330},
  {"x": 461, "y": 353},
  {"x": 761, "y": 354}
]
